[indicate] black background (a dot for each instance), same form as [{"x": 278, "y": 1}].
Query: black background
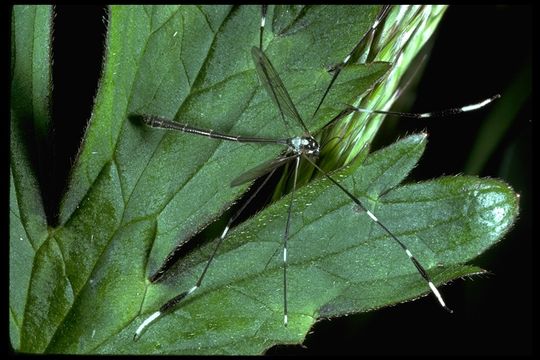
[{"x": 477, "y": 52}]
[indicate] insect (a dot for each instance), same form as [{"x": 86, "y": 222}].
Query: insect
[{"x": 297, "y": 147}]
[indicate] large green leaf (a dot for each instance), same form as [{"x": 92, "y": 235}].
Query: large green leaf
[
  {"x": 135, "y": 193},
  {"x": 30, "y": 88}
]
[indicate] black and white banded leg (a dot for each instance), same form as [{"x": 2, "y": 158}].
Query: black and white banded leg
[
  {"x": 263, "y": 23},
  {"x": 415, "y": 262},
  {"x": 169, "y": 305},
  {"x": 285, "y": 242},
  {"x": 434, "y": 114},
  {"x": 440, "y": 113}
]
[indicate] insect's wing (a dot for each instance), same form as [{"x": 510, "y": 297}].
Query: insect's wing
[
  {"x": 261, "y": 169},
  {"x": 275, "y": 88}
]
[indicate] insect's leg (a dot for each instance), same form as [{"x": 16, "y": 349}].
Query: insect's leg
[
  {"x": 165, "y": 308},
  {"x": 337, "y": 68},
  {"x": 440, "y": 113},
  {"x": 285, "y": 243},
  {"x": 415, "y": 262},
  {"x": 264, "y": 8},
  {"x": 349, "y": 109}
]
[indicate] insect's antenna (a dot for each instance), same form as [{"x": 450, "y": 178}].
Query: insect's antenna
[
  {"x": 263, "y": 22},
  {"x": 165, "y": 308},
  {"x": 415, "y": 262},
  {"x": 285, "y": 240},
  {"x": 337, "y": 68},
  {"x": 440, "y": 113}
]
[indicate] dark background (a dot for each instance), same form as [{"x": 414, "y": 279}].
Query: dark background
[{"x": 477, "y": 52}]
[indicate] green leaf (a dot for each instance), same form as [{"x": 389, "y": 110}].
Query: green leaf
[
  {"x": 30, "y": 89},
  {"x": 135, "y": 193},
  {"x": 339, "y": 260}
]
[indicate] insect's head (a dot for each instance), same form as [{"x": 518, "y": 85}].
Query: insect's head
[{"x": 311, "y": 146}]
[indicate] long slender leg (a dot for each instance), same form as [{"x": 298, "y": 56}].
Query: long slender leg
[
  {"x": 161, "y": 123},
  {"x": 337, "y": 69},
  {"x": 415, "y": 262},
  {"x": 263, "y": 22},
  {"x": 175, "y": 300},
  {"x": 441, "y": 113},
  {"x": 285, "y": 242}
]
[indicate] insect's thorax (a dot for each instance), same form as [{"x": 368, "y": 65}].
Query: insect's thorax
[{"x": 304, "y": 145}]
